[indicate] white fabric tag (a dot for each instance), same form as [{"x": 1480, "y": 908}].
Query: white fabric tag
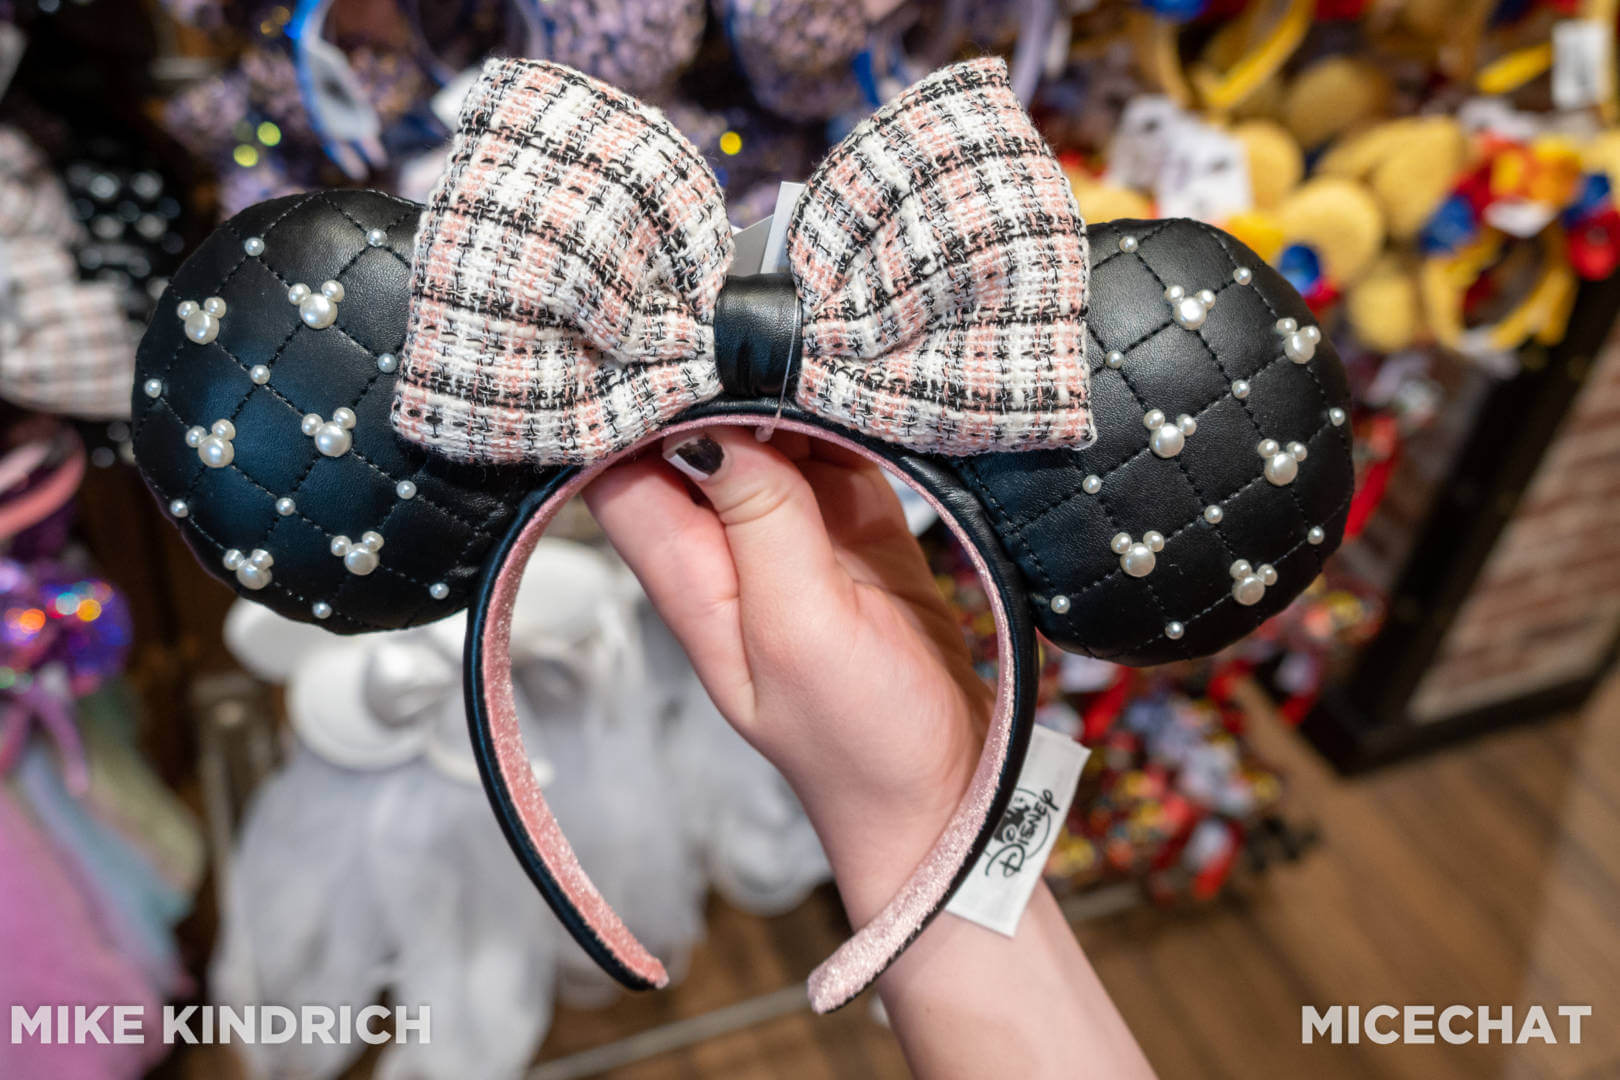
[
  {"x": 997, "y": 891},
  {"x": 787, "y": 197},
  {"x": 1581, "y": 63}
]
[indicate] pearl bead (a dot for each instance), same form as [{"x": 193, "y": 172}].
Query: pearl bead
[
  {"x": 1060, "y": 604},
  {"x": 1268, "y": 574},
  {"x": 1191, "y": 312},
  {"x": 179, "y": 508},
  {"x": 1138, "y": 561},
  {"x": 333, "y": 291},
  {"x": 438, "y": 590},
  {"x": 387, "y": 363},
  {"x": 321, "y": 609},
  {"x": 253, "y": 245},
  {"x": 310, "y": 423},
  {"x": 214, "y": 306},
  {"x": 318, "y": 312},
  {"x": 1213, "y": 514},
  {"x": 1127, "y": 244},
  {"x": 376, "y": 237},
  {"x": 195, "y": 436},
  {"x": 1281, "y": 468},
  {"x": 286, "y": 507},
  {"x": 360, "y": 562},
  {"x": 1167, "y": 441},
  {"x": 259, "y": 374},
  {"x": 202, "y": 327},
  {"x": 1120, "y": 544},
  {"x": 1173, "y": 630},
  {"x": 332, "y": 440},
  {"x": 1243, "y": 275},
  {"x": 1336, "y": 416},
  {"x": 216, "y": 453},
  {"x": 1248, "y": 590},
  {"x": 1114, "y": 359},
  {"x": 1287, "y": 326},
  {"x": 1316, "y": 535},
  {"x": 405, "y": 489},
  {"x": 153, "y": 388},
  {"x": 1240, "y": 388},
  {"x": 187, "y": 309},
  {"x": 1091, "y": 484},
  {"x": 298, "y": 293}
]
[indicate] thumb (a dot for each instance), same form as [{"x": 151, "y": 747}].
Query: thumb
[{"x": 778, "y": 541}]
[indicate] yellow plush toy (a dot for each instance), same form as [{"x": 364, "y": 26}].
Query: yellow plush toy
[{"x": 1409, "y": 165}]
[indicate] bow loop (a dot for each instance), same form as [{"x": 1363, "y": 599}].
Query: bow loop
[
  {"x": 942, "y": 265},
  {"x": 568, "y": 262}
]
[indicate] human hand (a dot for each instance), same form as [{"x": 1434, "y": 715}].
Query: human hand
[{"x": 807, "y": 609}]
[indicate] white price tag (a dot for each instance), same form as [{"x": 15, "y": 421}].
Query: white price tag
[
  {"x": 998, "y": 889},
  {"x": 1140, "y": 146},
  {"x": 1205, "y": 175},
  {"x": 1583, "y": 64}
]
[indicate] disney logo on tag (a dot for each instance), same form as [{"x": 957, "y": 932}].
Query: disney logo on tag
[{"x": 1024, "y": 828}]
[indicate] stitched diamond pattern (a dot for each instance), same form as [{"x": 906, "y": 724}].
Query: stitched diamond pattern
[
  {"x": 439, "y": 535},
  {"x": 1060, "y": 535}
]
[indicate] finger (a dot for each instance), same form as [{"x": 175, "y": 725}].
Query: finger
[
  {"x": 678, "y": 551},
  {"x": 778, "y": 541}
]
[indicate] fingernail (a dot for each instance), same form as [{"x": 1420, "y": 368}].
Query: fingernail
[{"x": 698, "y": 457}]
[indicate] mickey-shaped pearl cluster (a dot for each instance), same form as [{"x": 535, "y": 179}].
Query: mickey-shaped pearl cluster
[
  {"x": 214, "y": 447},
  {"x": 252, "y": 570},
  {"x": 1299, "y": 345},
  {"x": 1282, "y": 462},
  {"x": 1137, "y": 557},
  {"x": 332, "y": 437},
  {"x": 359, "y": 558},
  {"x": 1167, "y": 439},
  {"x": 201, "y": 320},
  {"x": 317, "y": 309},
  {"x": 1189, "y": 309},
  {"x": 1249, "y": 583}
]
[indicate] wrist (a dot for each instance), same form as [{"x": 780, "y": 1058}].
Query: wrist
[{"x": 874, "y": 846}]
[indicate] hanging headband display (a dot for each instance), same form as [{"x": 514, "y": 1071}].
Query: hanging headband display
[{"x": 1137, "y": 432}]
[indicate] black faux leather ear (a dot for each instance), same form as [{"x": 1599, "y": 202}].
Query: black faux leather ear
[
  {"x": 263, "y": 366},
  {"x": 1144, "y": 555}
]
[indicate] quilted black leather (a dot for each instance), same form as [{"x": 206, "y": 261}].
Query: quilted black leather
[
  {"x": 440, "y": 535},
  {"x": 1059, "y": 535}
]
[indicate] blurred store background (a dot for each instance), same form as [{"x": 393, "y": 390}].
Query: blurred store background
[{"x": 1406, "y": 788}]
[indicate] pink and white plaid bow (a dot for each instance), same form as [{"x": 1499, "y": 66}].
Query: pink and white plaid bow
[{"x": 568, "y": 264}]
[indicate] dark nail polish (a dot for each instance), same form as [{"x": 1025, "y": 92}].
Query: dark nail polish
[{"x": 699, "y": 458}]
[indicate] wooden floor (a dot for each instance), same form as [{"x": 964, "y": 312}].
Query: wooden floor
[{"x": 1488, "y": 873}]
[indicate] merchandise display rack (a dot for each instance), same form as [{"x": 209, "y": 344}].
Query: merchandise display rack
[{"x": 1365, "y": 718}]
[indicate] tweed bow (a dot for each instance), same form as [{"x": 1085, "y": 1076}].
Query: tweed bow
[{"x": 569, "y": 262}]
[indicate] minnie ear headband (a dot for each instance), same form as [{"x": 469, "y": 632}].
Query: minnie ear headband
[{"x": 1140, "y": 443}]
